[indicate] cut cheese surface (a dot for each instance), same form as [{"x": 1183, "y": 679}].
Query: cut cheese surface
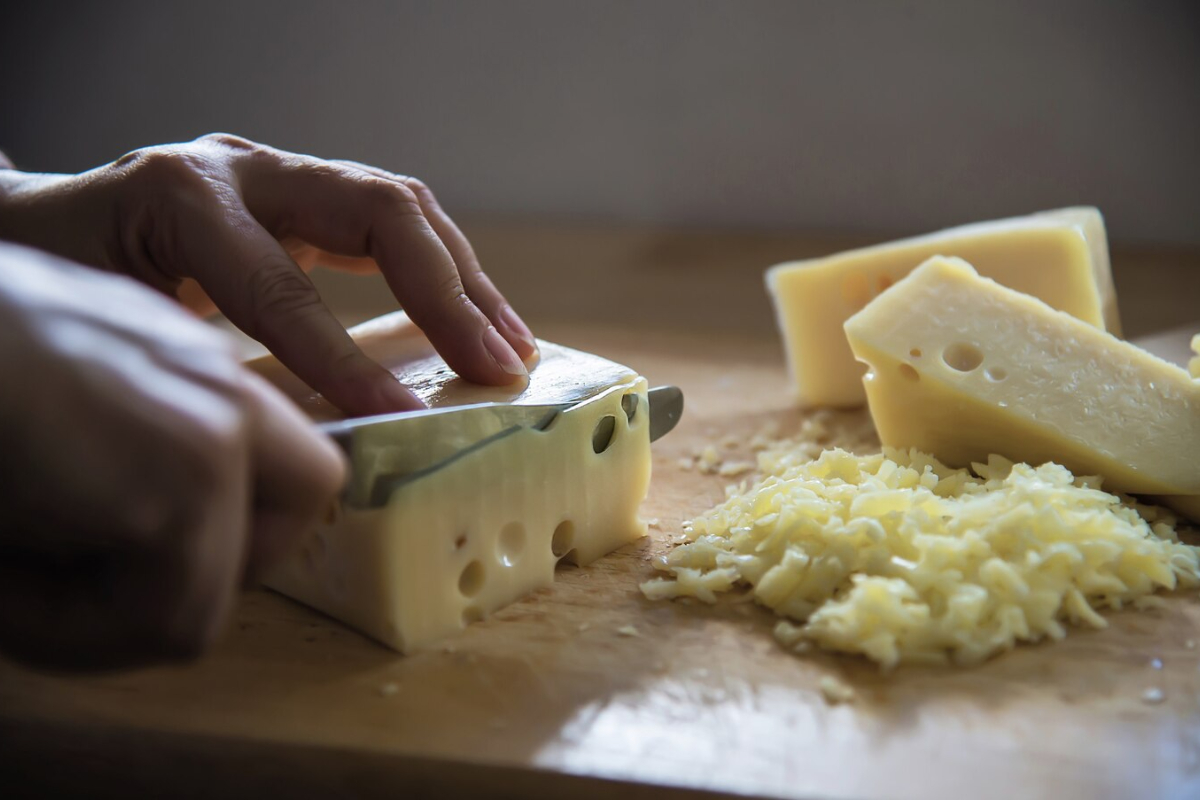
[
  {"x": 1058, "y": 256},
  {"x": 471, "y": 537},
  {"x": 962, "y": 367}
]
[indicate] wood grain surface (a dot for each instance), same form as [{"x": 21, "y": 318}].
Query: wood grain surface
[{"x": 548, "y": 698}]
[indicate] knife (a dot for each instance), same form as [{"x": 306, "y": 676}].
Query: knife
[{"x": 399, "y": 448}]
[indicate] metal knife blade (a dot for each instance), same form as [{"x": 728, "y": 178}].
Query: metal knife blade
[{"x": 397, "y": 448}]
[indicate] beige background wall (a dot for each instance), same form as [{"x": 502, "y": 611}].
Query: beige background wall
[{"x": 884, "y": 117}]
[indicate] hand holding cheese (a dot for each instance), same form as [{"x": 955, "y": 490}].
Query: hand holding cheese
[
  {"x": 147, "y": 470},
  {"x": 243, "y": 221}
]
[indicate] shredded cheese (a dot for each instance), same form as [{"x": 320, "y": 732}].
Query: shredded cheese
[
  {"x": 900, "y": 558},
  {"x": 1194, "y": 364}
]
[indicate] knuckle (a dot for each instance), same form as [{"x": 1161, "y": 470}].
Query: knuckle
[
  {"x": 396, "y": 199},
  {"x": 279, "y": 290},
  {"x": 229, "y": 140},
  {"x": 449, "y": 296},
  {"x": 418, "y": 186},
  {"x": 173, "y": 170}
]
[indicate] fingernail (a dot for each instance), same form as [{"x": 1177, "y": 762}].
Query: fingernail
[
  {"x": 515, "y": 324},
  {"x": 502, "y": 353}
]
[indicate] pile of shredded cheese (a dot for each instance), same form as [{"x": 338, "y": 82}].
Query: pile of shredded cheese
[{"x": 900, "y": 558}]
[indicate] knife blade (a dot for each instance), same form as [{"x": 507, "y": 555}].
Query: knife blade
[{"x": 399, "y": 448}]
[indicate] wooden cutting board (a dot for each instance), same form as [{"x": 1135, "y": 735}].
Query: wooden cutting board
[{"x": 551, "y": 698}]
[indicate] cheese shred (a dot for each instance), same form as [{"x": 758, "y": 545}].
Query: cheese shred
[{"x": 899, "y": 558}]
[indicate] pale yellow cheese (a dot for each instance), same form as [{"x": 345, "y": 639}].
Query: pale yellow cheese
[
  {"x": 459, "y": 543},
  {"x": 899, "y": 558},
  {"x": 962, "y": 367},
  {"x": 1059, "y": 256}
]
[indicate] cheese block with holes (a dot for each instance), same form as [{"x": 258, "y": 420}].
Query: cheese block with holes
[
  {"x": 962, "y": 367},
  {"x": 1059, "y": 256},
  {"x": 461, "y": 542}
]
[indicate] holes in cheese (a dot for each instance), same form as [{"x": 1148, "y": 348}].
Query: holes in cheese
[
  {"x": 629, "y": 404},
  {"x": 470, "y": 581},
  {"x": 602, "y": 435},
  {"x": 1054, "y": 389},
  {"x": 563, "y": 539},
  {"x": 1058, "y": 256},
  {"x": 512, "y": 542},
  {"x": 962, "y": 356}
]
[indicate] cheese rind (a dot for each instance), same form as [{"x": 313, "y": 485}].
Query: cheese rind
[
  {"x": 962, "y": 367},
  {"x": 1059, "y": 256},
  {"x": 465, "y": 540}
]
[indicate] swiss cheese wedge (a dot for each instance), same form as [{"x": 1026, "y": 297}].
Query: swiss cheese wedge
[
  {"x": 962, "y": 367},
  {"x": 1058, "y": 256},
  {"x": 467, "y": 539}
]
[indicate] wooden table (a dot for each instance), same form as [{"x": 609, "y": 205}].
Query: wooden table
[{"x": 548, "y": 699}]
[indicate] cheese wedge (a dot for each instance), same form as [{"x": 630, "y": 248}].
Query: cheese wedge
[
  {"x": 1058, "y": 256},
  {"x": 471, "y": 537},
  {"x": 962, "y": 367}
]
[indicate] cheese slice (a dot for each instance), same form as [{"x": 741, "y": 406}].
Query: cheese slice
[
  {"x": 962, "y": 367},
  {"x": 1059, "y": 256},
  {"x": 469, "y": 538}
]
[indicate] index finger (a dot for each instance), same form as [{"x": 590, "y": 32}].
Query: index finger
[
  {"x": 256, "y": 284},
  {"x": 351, "y": 213}
]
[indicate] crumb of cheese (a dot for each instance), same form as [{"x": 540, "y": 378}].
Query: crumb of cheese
[
  {"x": 900, "y": 558},
  {"x": 628, "y": 630},
  {"x": 732, "y": 468},
  {"x": 835, "y": 691},
  {"x": 708, "y": 460},
  {"x": 1153, "y": 696}
]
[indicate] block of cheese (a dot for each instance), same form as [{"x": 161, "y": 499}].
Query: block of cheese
[
  {"x": 962, "y": 367},
  {"x": 1059, "y": 256},
  {"x": 455, "y": 545}
]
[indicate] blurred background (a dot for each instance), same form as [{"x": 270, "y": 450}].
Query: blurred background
[{"x": 856, "y": 117}]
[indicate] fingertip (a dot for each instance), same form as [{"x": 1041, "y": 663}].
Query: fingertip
[
  {"x": 504, "y": 354},
  {"x": 516, "y": 332},
  {"x": 395, "y": 396},
  {"x": 364, "y": 388}
]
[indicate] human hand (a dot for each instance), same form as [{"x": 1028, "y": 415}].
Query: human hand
[
  {"x": 237, "y": 217},
  {"x": 148, "y": 473}
]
